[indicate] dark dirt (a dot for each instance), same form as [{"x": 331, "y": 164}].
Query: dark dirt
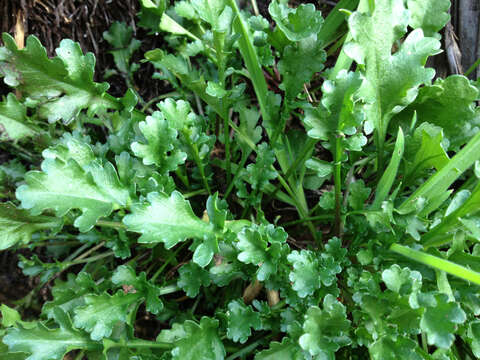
[{"x": 82, "y": 21}]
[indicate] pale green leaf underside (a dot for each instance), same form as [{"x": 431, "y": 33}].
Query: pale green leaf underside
[
  {"x": 63, "y": 86},
  {"x": 14, "y": 123},
  {"x": 102, "y": 312},
  {"x": 17, "y": 226},
  {"x": 43, "y": 343},
  {"x": 64, "y": 186},
  {"x": 167, "y": 219}
]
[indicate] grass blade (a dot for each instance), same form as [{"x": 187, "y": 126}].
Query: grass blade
[
  {"x": 437, "y": 263},
  {"x": 441, "y": 181},
  {"x": 388, "y": 177}
]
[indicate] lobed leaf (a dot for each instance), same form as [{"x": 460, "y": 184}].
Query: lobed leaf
[
  {"x": 43, "y": 343},
  {"x": 62, "y": 86},
  {"x": 167, "y": 219},
  {"x": 102, "y": 312},
  {"x": 17, "y": 226}
]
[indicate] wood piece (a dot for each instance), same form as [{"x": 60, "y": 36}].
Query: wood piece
[{"x": 468, "y": 19}]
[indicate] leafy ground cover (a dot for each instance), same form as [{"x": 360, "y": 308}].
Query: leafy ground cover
[{"x": 307, "y": 190}]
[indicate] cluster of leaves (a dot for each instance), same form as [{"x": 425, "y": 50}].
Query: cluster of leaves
[{"x": 267, "y": 207}]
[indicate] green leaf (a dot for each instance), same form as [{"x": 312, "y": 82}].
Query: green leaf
[
  {"x": 248, "y": 118},
  {"x": 102, "y": 312},
  {"x": 392, "y": 79},
  {"x": 339, "y": 116},
  {"x": 254, "y": 67},
  {"x": 322, "y": 168},
  {"x": 386, "y": 181},
  {"x": 125, "y": 275},
  {"x": 167, "y": 219},
  {"x": 192, "y": 278},
  {"x": 189, "y": 78},
  {"x": 429, "y": 15},
  {"x": 178, "y": 114},
  {"x": 327, "y": 200},
  {"x": 62, "y": 86},
  {"x": 437, "y": 263},
  {"x": 426, "y": 150},
  {"x": 258, "y": 174},
  {"x": 241, "y": 319},
  {"x": 286, "y": 350},
  {"x": 311, "y": 271},
  {"x": 261, "y": 173},
  {"x": 69, "y": 294},
  {"x": 440, "y": 322},
  {"x": 62, "y": 186},
  {"x": 14, "y": 123},
  {"x": 455, "y": 97},
  {"x": 209, "y": 11},
  {"x": 441, "y": 181},
  {"x": 341, "y": 112},
  {"x": 151, "y": 13},
  {"x": 402, "y": 281},
  {"x": 225, "y": 273},
  {"x": 387, "y": 348},
  {"x": 473, "y": 335},
  {"x": 17, "y": 226},
  {"x": 325, "y": 330},
  {"x": 201, "y": 341},
  {"x": 204, "y": 252},
  {"x": 358, "y": 194},
  {"x": 120, "y": 37},
  {"x": 160, "y": 146},
  {"x": 6, "y": 355},
  {"x": 176, "y": 333},
  {"x": 10, "y": 317},
  {"x": 216, "y": 90},
  {"x": 299, "y": 62},
  {"x": 297, "y": 24},
  {"x": 263, "y": 246},
  {"x": 43, "y": 343},
  {"x": 217, "y": 211},
  {"x": 185, "y": 9}
]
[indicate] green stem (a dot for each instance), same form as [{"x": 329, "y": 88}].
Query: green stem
[
  {"x": 473, "y": 67},
  {"x": 306, "y": 152},
  {"x": 198, "y": 161},
  {"x": 80, "y": 355},
  {"x": 77, "y": 252},
  {"x": 111, "y": 224},
  {"x": 237, "y": 174},
  {"x": 300, "y": 203},
  {"x": 226, "y": 136},
  {"x": 379, "y": 140},
  {"x": 48, "y": 243},
  {"x": 93, "y": 258},
  {"x": 441, "y": 180},
  {"x": 251, "y": 61},
  {"x": 89, "y": 251},
  {"x": 138, "y": 344},
  {"x": 157, "y": 98},
  {"x": 172, "y": 256},
  {"x": 195, "y": 193},
  {"x": 246, "y": 350},
  {"x": 311, "y": 218},
  {"x": 169, "y": 289},
  {"x": 424, "y": 343},
  {"x": 255, "y": 7},
  {"x": 183, "y": 178},
  {"x": 337, "y": 179}
]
